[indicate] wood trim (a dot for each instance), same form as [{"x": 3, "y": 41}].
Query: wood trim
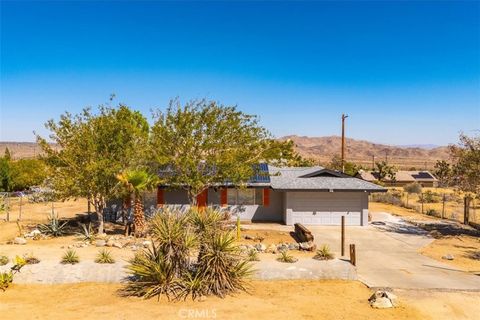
[
  {"x": 202, "y": 199},
  {"x": 223, "y": 197},
  {"x": 160, "y": 197}
]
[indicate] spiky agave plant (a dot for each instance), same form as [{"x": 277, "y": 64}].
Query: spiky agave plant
[
  {"x": 70, "y": 257},
  {"x": 286, "y": 257},
  {"x": 104, "y": 256},
  {"x": 324, "y": 253},
  {"x": 222, "y": 267},
  {"x": 55, "y": 227},
  {"x": 87, "y": 232},
  {"x": 252, "y": 255}
]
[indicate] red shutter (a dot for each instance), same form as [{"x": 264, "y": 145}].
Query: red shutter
[
  {"x": 202, "y": 199},
  {"x": 223, "y": 197},
  {"x": 266, "y": 197},
  {"x": 160, "y": 197}
]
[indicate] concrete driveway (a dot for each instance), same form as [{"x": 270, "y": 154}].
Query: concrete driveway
[{"x": 387, "y": 256}]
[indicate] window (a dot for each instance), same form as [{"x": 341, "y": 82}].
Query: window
[{"x": 245, "y": 196}]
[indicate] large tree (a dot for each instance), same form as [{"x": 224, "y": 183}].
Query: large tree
[
  {"x": 384, "y": 171},
  {"x": 203, "y": 143},
  {"x": 26, "y": 173},
  {"x": 92, "y": 149},
  {"x": 443, "y": 172}
]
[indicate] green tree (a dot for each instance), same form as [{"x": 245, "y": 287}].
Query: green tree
[
  {"x": 443, "y": 172},
  {"x": 27, "y": 172},
  {"x": 384, "y": 170},
  {"x": 412, "y": 188},
  {"x": 136, "y": 182},
  {"x": 283, "y": 153},
  {"x": 5, "y": 175},
  {"x": 203, "y": 143},
  {"x": 93, "y": 149},
  {"x": 350, "y": 167}
]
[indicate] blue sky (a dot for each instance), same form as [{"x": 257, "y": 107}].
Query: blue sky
[{"x": 405, "y": 72}]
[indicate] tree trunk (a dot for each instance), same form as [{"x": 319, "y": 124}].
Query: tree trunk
[
  {"x": 466, "y": 210},
  {"x": 138, "y": 217},
  {"x": 99, "y": 206}
]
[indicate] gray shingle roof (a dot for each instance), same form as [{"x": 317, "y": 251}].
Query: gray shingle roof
[{"x": 290, "y": 179}]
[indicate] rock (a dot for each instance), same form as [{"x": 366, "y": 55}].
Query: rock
[
  {"x": 243, "y": 248},
  {"x": 100, "y": 243},
  {"x": 19, "y": 240},
  {"x": 382, "y": 299},
  {"x": 307, "y": 246},
  {"x": 282, "y": 247},
  {"x": 271, "y": 249},
  {"x": 448, "y": 257},
  {"x": 117, "y": 245},
  {"x": 146, "y": 243},
  {"x": 260, "y": 247},
  {"x": 249, "y": 237},
  {"x": 202, "y": 298},
  {"x": 293, "y": 246},
  {"x": 70, "y": 246},
  {"x": 110, "y": 243},
  {"x": 34, "y": 233},
  {"x": 134, "y": 248},
  {"x": 102, "y": 236}
]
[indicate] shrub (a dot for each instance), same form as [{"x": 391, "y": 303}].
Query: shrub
[
  {"x": 5, "y": 279},
  {"x": 31, "y": 259},
  {"x": 414, "y": 187},
  {"x": 286, "y": 257},
  {"x": 104, "y": 256},
  {"x": 430, "y": 197},
  {"x": 3, "y": 260},
  {"x": 167, "y": 268},
  {"x": 253, "y": 255},
  {"x": 70, "y": 257},
  {"x": 389, "y": 198},
  {"x": 324, "y": 253},
  {"x": 54, "y": 227},
  {"x": 87, "y": 233},
  {"x": 432, "y": 212}
]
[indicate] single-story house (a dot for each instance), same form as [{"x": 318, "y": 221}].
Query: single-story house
[
  {"x": 402, "y": 177},
  {"x": 307, "y": 195}
]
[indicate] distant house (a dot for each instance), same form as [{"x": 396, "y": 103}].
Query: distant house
[
  {"x": 425, "y": 178},
  {"x": 307, "y": 195}
]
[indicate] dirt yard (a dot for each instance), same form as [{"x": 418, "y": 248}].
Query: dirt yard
[
  {"x": 453, "y": 238},
  {"x": 267, "y": 300}
]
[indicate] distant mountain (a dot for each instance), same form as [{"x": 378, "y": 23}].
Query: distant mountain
[
  {"x": 421, "y": 146},
  {"x": 365, "y": 152},
  {"x": 321, "y": 149}
]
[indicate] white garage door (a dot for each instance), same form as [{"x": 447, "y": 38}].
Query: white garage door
[{"x": 325, "y": 208}]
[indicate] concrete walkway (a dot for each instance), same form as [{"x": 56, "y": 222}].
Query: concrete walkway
[{"x": 387, "y": 256}]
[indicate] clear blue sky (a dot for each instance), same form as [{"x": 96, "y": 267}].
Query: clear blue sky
[{"x": 405, "y": 72}]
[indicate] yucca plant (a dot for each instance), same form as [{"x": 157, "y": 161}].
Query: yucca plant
[
  {"x": 55, "y": 227},
  {"x": 174, "y": 238},
  {"x": 70, "y": 257},
  {"x": 87, "y": 232},
  {"x": 5, "y": 279},
  {"x": 324, "y": 253},
  {"x": 222, "y": 267},
  {"x": 286, "y": 257},
  {"x": 152, "y": 275},
  {"x": 192, "y": 285},
  {"x": 3, "y": 260},
  {"x": 253, "y": 255},
  {"x": 104, "y": 256}
]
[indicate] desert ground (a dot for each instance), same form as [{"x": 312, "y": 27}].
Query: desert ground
[{"x": 280, "y": 299}]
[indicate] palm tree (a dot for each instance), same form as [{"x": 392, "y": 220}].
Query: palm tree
[{"x": 136, "y": 182}]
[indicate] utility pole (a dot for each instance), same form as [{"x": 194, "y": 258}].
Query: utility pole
[
  {"x": 344, "y": 116},
  {"x": 373, "y": 162}
]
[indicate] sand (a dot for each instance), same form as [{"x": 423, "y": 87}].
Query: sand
[{"x": 267, "y": 300}]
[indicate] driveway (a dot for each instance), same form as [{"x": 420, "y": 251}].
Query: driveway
[{"x": 387, "y": 255}]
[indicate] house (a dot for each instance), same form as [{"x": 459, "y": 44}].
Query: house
[
  {"x": 307, "y": 195},
  {"x": 425, "y": 178}
]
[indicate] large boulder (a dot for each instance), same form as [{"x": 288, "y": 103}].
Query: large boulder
[
  {"x": 302, "y": 233},
  {"x": 382, "y": 299},
  {"x": 100, "y": 243}
]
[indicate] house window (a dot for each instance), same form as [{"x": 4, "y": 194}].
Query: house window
[{"x": 245, "y": 196}]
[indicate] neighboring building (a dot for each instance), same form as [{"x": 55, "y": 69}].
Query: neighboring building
[
  {"x": 307, "y": 195},
  {"x": 425, "y": 178}
]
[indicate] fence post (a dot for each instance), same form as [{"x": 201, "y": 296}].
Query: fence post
[
  {"x": 466, "y": 209},
  {"x": 421, "y": 198},
  {"x": 21, "y": 203},
  {"x": 343, "y": 236},
  {"x": 7, "y": 207},
  {"x": 443, "y": 206},
  {"x": 353, "y": 257}
]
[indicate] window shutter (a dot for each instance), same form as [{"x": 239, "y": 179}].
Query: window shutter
[
  {"x": 266, "y": 197},
  {"x": 160, "y": 197},
  {"x": 223, "y": 197},
  {"x": 202, "y": 199}
]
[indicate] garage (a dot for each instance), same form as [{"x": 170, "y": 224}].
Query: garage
[{"x": 325, "y": 208}]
